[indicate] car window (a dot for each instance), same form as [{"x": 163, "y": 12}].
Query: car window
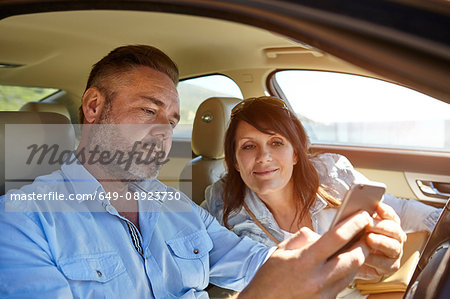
[
  {"x": 338, "y": 108},
  {"x": 12, "y": 98},
  {"x": 194, "y": 91}
]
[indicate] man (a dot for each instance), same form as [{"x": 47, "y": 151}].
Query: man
[{"x": 129, "y": 241}]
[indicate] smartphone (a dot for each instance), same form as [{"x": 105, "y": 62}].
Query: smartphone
[{"x": 361, "y": 196}]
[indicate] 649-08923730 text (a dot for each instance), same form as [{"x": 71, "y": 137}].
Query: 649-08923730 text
[{"x": 56, "y": 196}]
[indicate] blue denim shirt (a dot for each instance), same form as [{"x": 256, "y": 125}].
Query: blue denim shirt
[
  {"x": 83, "y": 248},
  {"x": 337, "y": 174}
]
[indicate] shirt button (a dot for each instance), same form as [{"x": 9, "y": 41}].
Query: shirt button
[
  {"x": 195, "y": 251},
  {"x": 99, "y": 273}
]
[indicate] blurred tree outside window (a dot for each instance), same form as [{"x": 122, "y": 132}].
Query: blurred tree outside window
[{"x": 12, "y": 98}]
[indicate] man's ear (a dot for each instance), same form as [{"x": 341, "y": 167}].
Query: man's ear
[{"x": 93, "y": 104}]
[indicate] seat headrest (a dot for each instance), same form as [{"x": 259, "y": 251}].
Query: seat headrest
[
  {"x": 210, "y": 123},
  {"x": 20, "y": 132},
  {"x": 28, "y": 117},
  {"x": 46, "y": 107}
]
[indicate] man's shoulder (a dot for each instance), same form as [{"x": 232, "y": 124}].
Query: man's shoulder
[
  {"x": 42, "y": 183},
  {"x": 40, "y": 195}
]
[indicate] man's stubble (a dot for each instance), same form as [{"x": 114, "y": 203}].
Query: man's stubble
[{"x": 106, "y": 135}]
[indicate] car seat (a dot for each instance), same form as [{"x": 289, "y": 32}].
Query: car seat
[
  {"x": 19, "y": 131},
  {"x": 46, "y": 107},
  {"x": 210, "y": 123}
]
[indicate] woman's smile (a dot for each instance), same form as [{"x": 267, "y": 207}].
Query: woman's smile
[{"x": 266, "y": 172}]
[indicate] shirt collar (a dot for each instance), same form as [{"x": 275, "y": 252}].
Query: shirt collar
[
  {"x": 319, "y": 205},
  {"x": 151, "y": 200},
  {"x": 257, "y": 207},
  {"x": 79, "y": 177},
  {"x": 152, "y": 185},
  {"x": 83, "y": 182}
]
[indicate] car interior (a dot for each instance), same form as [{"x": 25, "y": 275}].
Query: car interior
[{"x": 224, "y": 58}]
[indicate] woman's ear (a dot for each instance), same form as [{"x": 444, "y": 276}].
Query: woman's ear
[
  {"x": 93, "y": 104},
  {"x": 236, "y": 166},
  {"x": 295, "y": 158}
]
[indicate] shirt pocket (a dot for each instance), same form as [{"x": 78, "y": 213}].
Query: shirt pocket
[
  {"x": 191, "y": 253},
  {"x": 94, "y": 275}
]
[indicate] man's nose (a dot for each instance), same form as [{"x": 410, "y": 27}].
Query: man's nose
[{"x": 163, "y": 131}]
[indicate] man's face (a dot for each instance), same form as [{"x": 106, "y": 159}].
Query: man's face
[{"x": 139, "y": 119}]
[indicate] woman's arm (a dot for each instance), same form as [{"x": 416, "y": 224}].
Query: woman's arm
[{"x": 338, "y": 174}]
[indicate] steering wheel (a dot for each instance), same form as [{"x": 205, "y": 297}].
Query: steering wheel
[{"x": 431, "y": 279}]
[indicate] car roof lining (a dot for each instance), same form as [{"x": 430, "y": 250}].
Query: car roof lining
[{"x": 46, "y": 41}]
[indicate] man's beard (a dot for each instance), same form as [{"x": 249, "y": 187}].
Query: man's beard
[{"x": 107, "y": 138}]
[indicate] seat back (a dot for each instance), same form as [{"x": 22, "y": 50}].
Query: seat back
[
  {"x": 210, "y": 124},
  {"x": 20, "y": 131},
  {"x": 46, "y": 107}
]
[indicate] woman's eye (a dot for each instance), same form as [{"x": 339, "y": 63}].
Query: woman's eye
[
  {"x": 248, "y": 147},
  {"x": 277, "y": 143}
]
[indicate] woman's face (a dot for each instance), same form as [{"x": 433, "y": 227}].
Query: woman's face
[{"x": 265, "y": 162}]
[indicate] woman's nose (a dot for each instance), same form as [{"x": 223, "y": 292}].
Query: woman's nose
[{"x": 264, "y": 155}]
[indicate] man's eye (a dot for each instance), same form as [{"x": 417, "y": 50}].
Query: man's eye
[
  {"x": 148, "y": 111},
  {"x": 173, "y": 124}
]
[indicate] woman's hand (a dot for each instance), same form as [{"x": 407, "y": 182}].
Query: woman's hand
[{"x": 385, "y": 240}]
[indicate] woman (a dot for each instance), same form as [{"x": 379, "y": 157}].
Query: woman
[{"x": 274, "y": 185}]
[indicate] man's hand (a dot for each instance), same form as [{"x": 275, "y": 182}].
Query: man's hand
[
  {"x": 385, "y": 239},
  {"x": 299, "y": 267}
]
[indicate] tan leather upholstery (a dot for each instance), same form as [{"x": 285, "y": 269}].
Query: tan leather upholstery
[
  {"x": 46, "y": 107},
  {"x": 18, "y": 131},
  {"x": 210, "y": 124}
]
